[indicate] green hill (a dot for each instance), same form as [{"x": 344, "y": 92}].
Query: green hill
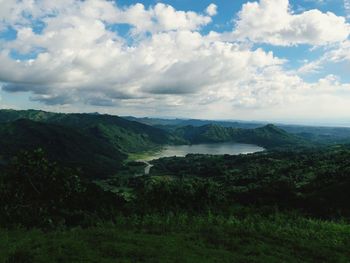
[
  {"x": 62, "y": 144},
  {"x": 157, "y": 122},
  {"x": 317, "y": 134},
  {"x": 131, "y": 136},
  {"x": 204, "y": 134},
  {"x": 267, "y": 136},
  {"x": 123, "y": 135},
  {"x": 98, "y": 143},
  {"x": 270, "y": 136},
  {"x": 9, "y": 115}
]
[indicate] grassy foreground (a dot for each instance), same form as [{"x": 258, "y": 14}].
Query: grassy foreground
[{"x": 274, "y": 238}]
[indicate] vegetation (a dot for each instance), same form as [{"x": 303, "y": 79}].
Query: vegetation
[
  {"x": 68, "y": 194},
  {"x": 239, "y": 209},
  {"x": 133, "y": 137},
  {"x": 62, "y": 144},
  {"x": 123, "y": 135},
  {"x": 316, "y": 134},
  {"x": 268, "y": 136},
  {"x": 183, "y": 238},
  {"x": 164, "y": 123},
  {"x": 37, "y": 192},
  {"x": 313, "y": 181}
]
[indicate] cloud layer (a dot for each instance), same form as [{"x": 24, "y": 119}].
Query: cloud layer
[
  {"x": 96, "y": 53},
  {"x": 272, "y": 21}
]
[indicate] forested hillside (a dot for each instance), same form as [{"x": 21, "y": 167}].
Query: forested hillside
[
  {"x": 68, "y": 146},
  {"x": 248, "y": 208},
  {"x": 158, "y": 122},
  {"x": 133, "y": 137},
  {"x": 316, "y": 134},
  {"x": 313, "y": 181},
  {"x": 268, "y": 136},
  {"x": 68, "y": 175},
  {"x": 123, "y": 135}
]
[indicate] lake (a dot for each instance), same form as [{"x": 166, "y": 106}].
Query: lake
[{"x": 208, "y": 148}]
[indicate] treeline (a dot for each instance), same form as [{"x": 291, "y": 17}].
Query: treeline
[
  {"x": 37, "y": 192},
  {"x": 268, "y": 136},
  {"x": 314, "y": 182}
]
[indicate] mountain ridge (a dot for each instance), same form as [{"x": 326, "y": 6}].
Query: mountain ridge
[
  {"x": 101, "y": 143},
  {"x": 63, "y": 144},
  {"x": 126, "y": 136},
  {"x": 268, "y": 136}
]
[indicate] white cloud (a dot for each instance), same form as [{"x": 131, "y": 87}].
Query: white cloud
[
  {"x": 165, "y": 64},
  {"x": 272, "y": 21},
  {"x": 159, "y": 18},
  {"x": 81, "y": 60},
  {"x": 347, "y": 8},
  {"x": 212, "y": 9},
  {"x": 339, "y": 53},
  {"x": 310, "y": 67}
]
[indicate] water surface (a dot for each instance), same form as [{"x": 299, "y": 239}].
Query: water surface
[{"x": 208, "y": 148}]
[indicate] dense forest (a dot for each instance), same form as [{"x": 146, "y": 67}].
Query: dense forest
[
  {"x": 99, "y": 144},
  {"x": 316, "y": 134},
  {"x": 69, "y": 193}
]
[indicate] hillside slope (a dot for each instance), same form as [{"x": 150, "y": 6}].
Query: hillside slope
[
  {"x": 62, "y": 144},
  {"x": 123, "y": 135},
  {"x": 157, "y": 122},
  {"x": 317, "y": 134},
  {"x": 131, "y": 137},
  {"x": 267, "y": 136}
]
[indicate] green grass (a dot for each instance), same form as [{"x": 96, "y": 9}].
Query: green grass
[
  {"x": 144, "y": 155},
  {"x": 277, "y": 238}
]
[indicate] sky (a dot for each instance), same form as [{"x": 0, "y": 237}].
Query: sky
[{"x": 268, "y": 60}]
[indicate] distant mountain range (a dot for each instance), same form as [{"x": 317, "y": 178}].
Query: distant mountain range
[
  {"x": 195, "y": 122},
  {"x": 267, "y": 136},
  {"x": 63, "y": 144},
  {"x": 100, "y": 143},
  {"x": 320, "y": 134},
  {"x": 97, "y": 143},
  {"x": 124, "y": 135}
]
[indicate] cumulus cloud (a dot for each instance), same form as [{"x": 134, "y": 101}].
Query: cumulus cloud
[
  {"x": 347, "y": 8},
  {"x": 81, "y": 59},
  {"x": 212, "y": 9},
  {"x": 339, "y": 53},
  {"x": 159, "y": 18},
  {"x": 273, "y": 22},
  {"x": 163, "y": 63}
]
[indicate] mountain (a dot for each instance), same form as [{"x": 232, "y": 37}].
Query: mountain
[
  {"x": 316, "y": 134},
  {"x": 327, "y": 135},
  {"x": 162, "y": 123},
  {"x": 269, "y": 136},
  {"x": 129, "y": 136},
  {"x": 204, "y": 134},
  {"x": 124, "y": 135},
  {"x": 8, "y": 115},
  {"x": 65, "y": 145}
]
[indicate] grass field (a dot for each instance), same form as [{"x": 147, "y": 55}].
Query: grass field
[{"x": 277, "y": 238}]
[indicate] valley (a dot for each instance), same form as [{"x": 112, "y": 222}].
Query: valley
[
  {"x": 181, "y": 131},
  {"x": 125, "y": 181}
]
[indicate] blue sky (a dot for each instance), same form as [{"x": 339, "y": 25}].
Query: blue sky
[{"x": 275, "y": 60}]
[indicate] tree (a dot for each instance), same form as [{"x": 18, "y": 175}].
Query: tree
[{"x": 35, "y": 191}]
